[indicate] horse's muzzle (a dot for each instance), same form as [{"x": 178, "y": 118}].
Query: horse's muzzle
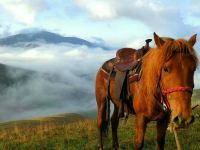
[{"x": 181, "y": 123}]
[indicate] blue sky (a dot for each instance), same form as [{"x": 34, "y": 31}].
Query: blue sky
[{"x": 118, "y": 22}]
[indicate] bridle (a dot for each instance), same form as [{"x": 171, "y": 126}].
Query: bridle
[{"x": 164, "y": 93}]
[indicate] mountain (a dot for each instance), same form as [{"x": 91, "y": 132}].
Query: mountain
[{"x": 34, "y": 39}]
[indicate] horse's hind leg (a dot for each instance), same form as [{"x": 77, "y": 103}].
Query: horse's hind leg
[
  {"x": 101, "y": 94},
  {"x": 103, "y": 104},
  {"x": 99, "y": 123},
  {"x": 103, "y": 120},
  {"x": 115, "y": 123}
]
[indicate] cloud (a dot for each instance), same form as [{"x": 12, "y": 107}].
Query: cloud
[
  {"x": 63, "y": 80},
  {"x": 160, "y": 16},
  {"x": 139, "y": 9},
  {"x": 98, "y": 9},
  {"x": 23, "y": 11},
  {"x": 192, "y": 13}
]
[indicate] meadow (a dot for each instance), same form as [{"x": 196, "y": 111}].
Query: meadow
[{"x": 82, "y": 135}]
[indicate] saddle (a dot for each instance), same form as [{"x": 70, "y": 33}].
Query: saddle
[
  {"x": 126, "y": 57},
  {"x": 124, "y": 69}
]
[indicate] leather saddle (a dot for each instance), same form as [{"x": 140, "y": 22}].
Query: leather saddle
[{"x": 127, "y": 57}]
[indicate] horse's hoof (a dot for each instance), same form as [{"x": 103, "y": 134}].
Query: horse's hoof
[
  {"x": 115, "y": 147},
  {"x": 100, "y": 147},
  {"x": 105, "y": 133}
]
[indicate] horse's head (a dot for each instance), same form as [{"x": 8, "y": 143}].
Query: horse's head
[{"x": 178, "y": 63}]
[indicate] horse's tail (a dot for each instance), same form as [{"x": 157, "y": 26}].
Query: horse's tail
[{"x": 106, "y": 122}]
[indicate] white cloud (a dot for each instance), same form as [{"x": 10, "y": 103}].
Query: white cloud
[
  {"x": 160, "y": 16},
  {"x": 49, "y": 57},
  {"x": 23, "y": 11},
  {"x": 197, "y": 79},
  {"x": 65, "y": 85},
  {"x": 74, "y": 54},
  {"x": 138, "y": 9},
  {"x": 192, "y": 13},
  {"x": 35, "y": 55},
  {"x": 100, "y": 9},
  {"x": 30, "y": 55}
]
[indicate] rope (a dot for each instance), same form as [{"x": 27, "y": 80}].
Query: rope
[
  {"x": 178, "y": 145},
  {"x": 172, "y": 128}
]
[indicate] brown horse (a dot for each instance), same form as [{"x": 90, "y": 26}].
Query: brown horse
[{"x": 167, "y": 74}]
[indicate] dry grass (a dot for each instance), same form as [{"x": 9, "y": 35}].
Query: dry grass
[{"x": 83, "y": 135}]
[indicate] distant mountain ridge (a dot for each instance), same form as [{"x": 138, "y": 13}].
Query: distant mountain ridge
[{"x": 33, "y": 40}]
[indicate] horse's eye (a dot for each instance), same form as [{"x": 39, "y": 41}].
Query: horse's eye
[{"x": 166, "y": 69}]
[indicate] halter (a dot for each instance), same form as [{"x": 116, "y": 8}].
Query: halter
[{"x": 165, "y": 93}]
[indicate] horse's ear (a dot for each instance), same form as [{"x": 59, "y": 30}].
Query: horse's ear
[
  {"x": 192, "y": 40},
  {"x": 159, "y": 42}
]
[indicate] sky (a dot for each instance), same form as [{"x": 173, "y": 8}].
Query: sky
[
  {"x": 72, "y": 68},
  {"x": 118, "y": 22}
]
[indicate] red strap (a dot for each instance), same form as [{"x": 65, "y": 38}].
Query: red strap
[
  {"x": 177, "y": 89},
  {"x": 165, "y": 92}
]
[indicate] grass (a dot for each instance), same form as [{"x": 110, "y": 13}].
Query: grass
[
  {"x": 83, "y": 135},
  {"x": 196, "y": 95}
]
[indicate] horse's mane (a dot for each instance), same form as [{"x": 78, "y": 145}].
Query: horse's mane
[{"x": 155, "y": 59}]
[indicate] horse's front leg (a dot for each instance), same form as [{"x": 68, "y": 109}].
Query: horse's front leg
[
  {"x": 161, "y": 131},
  {"x": 140, "y": 128}
]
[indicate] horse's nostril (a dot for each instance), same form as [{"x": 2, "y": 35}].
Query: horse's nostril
[
  {"x": 176, "y": 119},
  {"x": 190, "y": 120}
]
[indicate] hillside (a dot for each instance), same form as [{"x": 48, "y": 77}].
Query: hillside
[
  {"x": 83, "y": 134},
  {"x": 55, "y": 119}
]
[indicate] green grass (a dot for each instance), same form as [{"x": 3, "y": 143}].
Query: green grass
[
  {"x": 196, "y": 95},
  {"x": 83, "y": 135}
]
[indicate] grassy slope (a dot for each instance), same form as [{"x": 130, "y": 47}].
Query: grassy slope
[
  {"x": 83, "y": 135},
  {"x": 55, "y": 119}
]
